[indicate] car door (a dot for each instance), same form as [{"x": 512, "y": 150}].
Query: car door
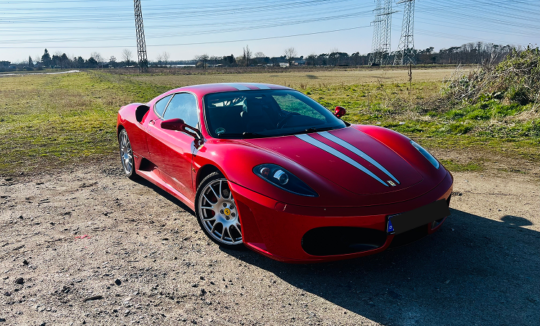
[{"x": 172, "y": 151}]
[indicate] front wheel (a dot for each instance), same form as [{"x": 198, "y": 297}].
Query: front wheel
[
  {"x": 217, "y": 212},
  {"x": 126, "y": 155}
]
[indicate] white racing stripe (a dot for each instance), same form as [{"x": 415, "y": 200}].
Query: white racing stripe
[
  {"x": 238, "y": 86},
  {"x": 260, "y": 86},
  {"x": 356, "y": 151},
  {"x": 336, "y": 153}
]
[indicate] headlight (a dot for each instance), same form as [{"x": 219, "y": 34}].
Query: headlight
[
  {"x": 426, "y": 154},
  {"x": 283, "y": 179}
]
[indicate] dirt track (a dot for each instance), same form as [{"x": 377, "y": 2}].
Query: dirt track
[{"x": 482, "y": 268}]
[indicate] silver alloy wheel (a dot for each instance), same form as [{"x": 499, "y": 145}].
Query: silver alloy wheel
[
  {"x": 219, "y": 214},
  {"x": 126, "y": 154}
]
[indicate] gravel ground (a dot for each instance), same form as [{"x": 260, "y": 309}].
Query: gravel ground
[{"x": 88, "y": 246}]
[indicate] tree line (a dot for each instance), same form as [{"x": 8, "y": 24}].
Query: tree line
[
  {"x": 63, "y": 61},
  {"x": 469, "y": 53}
]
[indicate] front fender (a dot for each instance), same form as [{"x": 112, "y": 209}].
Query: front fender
[
  {"x": 127, "y": 119},
  {"x": 236, "y": 160}
]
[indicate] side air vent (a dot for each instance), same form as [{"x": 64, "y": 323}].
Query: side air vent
[{"x": 140, "y": 112}]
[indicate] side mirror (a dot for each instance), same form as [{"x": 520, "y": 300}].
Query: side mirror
[
  {"x": 180, "y": 125},
  {"x": 174, "y": 124},
  {"x": 340, "y": 111}
]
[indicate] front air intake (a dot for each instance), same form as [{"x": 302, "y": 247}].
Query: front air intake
[{"x": 330, "y": 241}]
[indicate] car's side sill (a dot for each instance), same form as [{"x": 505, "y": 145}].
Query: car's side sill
[{"x": 154, "y": 177}]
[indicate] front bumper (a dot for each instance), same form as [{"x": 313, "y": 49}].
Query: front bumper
[{"x": 276, "y": 230}]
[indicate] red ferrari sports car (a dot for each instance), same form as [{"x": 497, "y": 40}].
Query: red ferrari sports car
[{"x": 267, "y": 167}]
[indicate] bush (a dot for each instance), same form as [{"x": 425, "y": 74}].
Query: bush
[
  {"x": 519, "y": 94},
  {"x": 517, "y": 78}
]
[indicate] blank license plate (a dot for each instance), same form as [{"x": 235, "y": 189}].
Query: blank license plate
[{"x": 404, "y": 222}]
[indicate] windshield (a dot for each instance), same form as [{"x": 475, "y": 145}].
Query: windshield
[{"x": 266, "y": 113}]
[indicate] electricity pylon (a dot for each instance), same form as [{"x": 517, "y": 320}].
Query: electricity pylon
[
  {"x": 141, "y": 42},
  {"x": 405, "y": 52},
  {"x": 374, "y": 59},
  {"x": 382, "y": 33}
]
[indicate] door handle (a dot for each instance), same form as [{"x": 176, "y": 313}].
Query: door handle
[{"x": 152, "y": 122}]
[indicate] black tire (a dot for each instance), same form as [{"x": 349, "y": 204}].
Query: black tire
[
  {"x": 224, "y": 213},
  {"x": 126, "y": 155}
]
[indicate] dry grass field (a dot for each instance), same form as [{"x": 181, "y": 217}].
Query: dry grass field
[{"x": 302, "y": 79}]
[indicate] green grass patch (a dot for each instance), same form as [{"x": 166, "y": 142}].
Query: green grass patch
[
  {"x": 458, "y": 167},
  {"x": 49, "y": 120}
]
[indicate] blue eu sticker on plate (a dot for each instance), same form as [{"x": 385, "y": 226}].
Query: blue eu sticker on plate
[{"x": 390, "y": 227}]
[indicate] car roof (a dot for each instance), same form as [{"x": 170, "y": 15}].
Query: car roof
[{"x": 204, "y": 89}]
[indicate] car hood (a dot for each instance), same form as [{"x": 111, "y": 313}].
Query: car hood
[{"x": 347, "y": 157}]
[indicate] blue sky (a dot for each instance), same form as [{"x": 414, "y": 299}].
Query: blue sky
[{"x": 187, "y": 28}]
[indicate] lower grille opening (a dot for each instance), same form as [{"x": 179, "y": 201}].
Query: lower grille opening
[
  {"x": 409, "y": 236},
  {"x": 329, "y": 241}
]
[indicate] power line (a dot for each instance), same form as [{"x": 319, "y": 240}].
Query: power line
[
  {"x": 30, "y": 21},
  {"x": 93, "y": 13},
  {"x": 256, "y": 21},
  {"x": 485, "y": 10},
  {"x": 197, "y": 43},
  {"x": 234, "y": 27}
]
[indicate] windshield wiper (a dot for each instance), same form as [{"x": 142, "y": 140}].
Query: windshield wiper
[
  {"x": 310, "y": 130},
  {"x": 253, "y": 135},
  {"x": 244, "y": 135}
]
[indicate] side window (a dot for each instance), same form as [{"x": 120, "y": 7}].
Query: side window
[
  {"x": 160, "y": 106},
  {"x": 183, "y": 106}
]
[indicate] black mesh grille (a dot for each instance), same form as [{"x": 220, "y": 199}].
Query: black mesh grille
[{"x": 329, "y": 241}]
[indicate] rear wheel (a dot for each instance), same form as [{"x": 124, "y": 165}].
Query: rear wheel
[
  {"x": 126, "y": 155},
  {"x": 217, "y": 212}
]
